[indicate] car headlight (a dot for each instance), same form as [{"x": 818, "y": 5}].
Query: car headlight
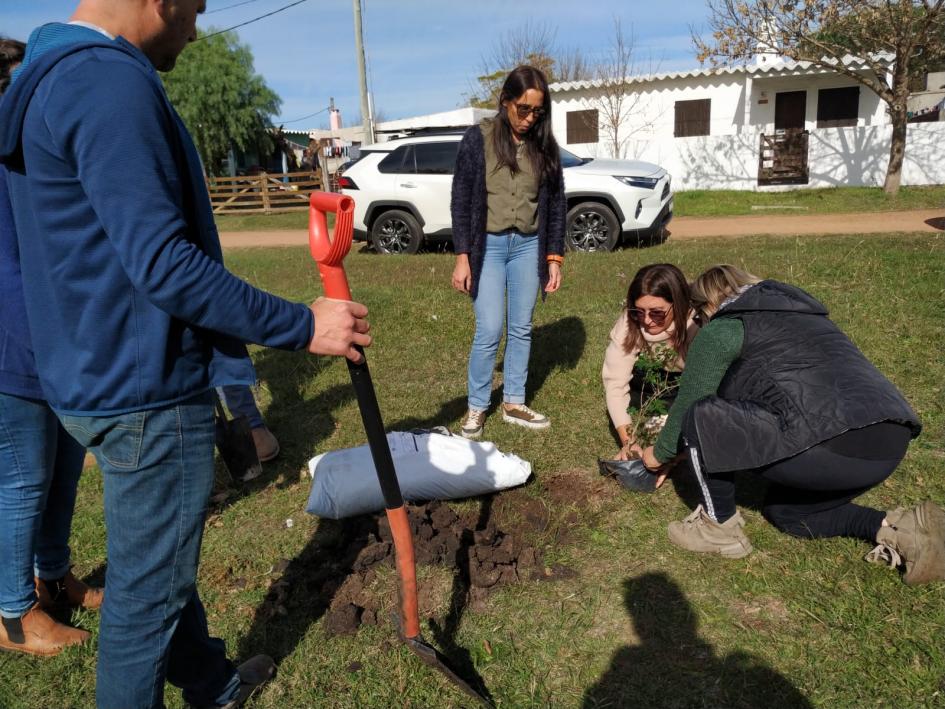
[{"x": 647, "y": 183}]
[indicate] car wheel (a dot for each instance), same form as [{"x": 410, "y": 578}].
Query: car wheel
[
  {"x": 591, "y": 227},
  {"x": 396, "y": 232}
]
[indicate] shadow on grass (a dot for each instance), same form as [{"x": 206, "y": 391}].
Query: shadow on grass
[
  {"x": 673, "y": 667},
  {"x": 557, "y": 345},
  {"x": 460, "y": 659},
  {"x": 302, "y": 595}
]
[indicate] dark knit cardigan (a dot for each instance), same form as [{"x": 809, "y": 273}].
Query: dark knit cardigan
[{"x": 468, "y": 210}]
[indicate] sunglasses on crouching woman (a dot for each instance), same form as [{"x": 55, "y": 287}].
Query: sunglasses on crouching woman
[{"x": 657, "y": 317}]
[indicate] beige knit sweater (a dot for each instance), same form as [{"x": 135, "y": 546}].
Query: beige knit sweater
[{"x": 618, "y": 367}]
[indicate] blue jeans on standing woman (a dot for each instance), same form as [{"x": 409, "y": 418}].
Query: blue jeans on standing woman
[
  {"x": 158, "y": 471},
  {"x": 40, "y": 465},
  {"x": 508, "y": 289}
]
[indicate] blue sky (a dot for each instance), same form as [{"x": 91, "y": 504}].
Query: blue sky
[{"x": 423, "y": 55}]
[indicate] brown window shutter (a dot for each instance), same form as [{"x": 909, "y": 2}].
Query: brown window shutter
[
  {"x": 838, "y": 108},
  {"x": 692, "y": 118},
  {"x": 582, "y": 126}
]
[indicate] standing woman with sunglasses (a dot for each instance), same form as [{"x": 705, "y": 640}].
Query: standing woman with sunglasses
[
  {"x": 657, "y": 302},
  {"x": 508, "y": 211}
]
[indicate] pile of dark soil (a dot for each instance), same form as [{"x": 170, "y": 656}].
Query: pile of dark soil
[
  {"x": 482, "y": 560},
  {"x": 462, "y": 554}
]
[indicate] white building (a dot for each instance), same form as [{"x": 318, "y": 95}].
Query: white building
[{"x": 774, "y": 122}]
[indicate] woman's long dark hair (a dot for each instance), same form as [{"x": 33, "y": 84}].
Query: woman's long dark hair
[
  {"x": 11, "y": 54},
  {"x": 661, "y": 280},
  {"x": 541, "y": 146}
]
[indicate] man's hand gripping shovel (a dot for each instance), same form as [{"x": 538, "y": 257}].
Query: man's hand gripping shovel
[{"x": 329, "y": 253}]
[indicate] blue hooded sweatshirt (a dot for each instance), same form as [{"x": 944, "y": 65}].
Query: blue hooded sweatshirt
[
  {"x": 129, "y": 305},
  {"x": 17, "y": 366}
]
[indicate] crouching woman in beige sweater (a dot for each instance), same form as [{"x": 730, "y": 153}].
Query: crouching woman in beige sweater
[{"x": 657, "y": 302}]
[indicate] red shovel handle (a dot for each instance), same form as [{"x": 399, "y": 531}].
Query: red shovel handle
[{"x": 329, "y": 251}]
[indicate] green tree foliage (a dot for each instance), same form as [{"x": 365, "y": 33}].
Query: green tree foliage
[
  {"x": 895, "y": 40},
  {"x": 221, "y": 99}
]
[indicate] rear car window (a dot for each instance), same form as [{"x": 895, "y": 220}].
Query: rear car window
[
  {"x": 395, "y": 161},
  {"x": 436, "y": 158}
]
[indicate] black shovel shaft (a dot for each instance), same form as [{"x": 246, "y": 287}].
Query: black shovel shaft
[{"x": 374, "y": 428}]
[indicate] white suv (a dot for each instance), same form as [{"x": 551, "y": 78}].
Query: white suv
[{"x": 402, "y": 188}]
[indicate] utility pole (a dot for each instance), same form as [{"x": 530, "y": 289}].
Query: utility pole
[
  {"x": 362, "y": 73},
  {"x": 326, "y": 173}
]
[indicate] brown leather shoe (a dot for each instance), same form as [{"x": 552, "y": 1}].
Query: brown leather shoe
[
  {"x": 38, "y": 634},
  {"x": 68, "y": 592}
]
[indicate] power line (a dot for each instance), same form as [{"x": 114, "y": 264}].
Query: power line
[
  {"x": 249, "y": 22},
  {"x": 296, "y": 120},
  {"x": 229, "y": 7}
]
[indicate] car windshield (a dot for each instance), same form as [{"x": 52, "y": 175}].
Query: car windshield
[{"x": 571, "y": 160}]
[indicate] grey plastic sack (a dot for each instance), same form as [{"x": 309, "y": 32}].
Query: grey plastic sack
[{"x": 429, "y": 465}]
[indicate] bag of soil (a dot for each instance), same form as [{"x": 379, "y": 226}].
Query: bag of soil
[
  {"x": 429, "y": 465},
  {"x": 632, "y": 474}
]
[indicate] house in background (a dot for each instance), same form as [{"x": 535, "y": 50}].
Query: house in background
[{"x": 775, "y": 122}]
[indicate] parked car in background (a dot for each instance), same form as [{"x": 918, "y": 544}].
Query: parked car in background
[{"x": 402, "y": 196}]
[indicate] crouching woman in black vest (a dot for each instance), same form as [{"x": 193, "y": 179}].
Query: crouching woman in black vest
[{"x": 772, "y": 386}]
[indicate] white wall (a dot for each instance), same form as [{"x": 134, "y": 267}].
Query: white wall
[
  {"x": 837, "y": 157},
  {"x": 728, "y": 157},
  {"x": 649, "y": 113}
]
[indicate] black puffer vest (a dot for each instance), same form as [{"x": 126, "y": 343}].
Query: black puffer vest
[{"x": 798, "y": 381}]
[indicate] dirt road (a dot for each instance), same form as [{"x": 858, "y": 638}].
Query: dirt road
[{"x": 924, "y": 220}]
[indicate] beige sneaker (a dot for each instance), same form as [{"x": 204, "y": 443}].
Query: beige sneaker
[
  {"x": 473, "y": 423},
  {"x": 521, "y": 415},
  {"x": 699, "y": 532},
  {"x": 915, "y": 540}
]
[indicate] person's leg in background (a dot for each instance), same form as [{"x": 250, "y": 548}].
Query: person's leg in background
[
  {"x": 158, "y": 471},
  {"x": 240, "y": 401},
  {"x": 489, "y": 309},
  {"x": 28, "y": 430},
  {"x": 55, "y": 583},
  {"x": 523, "y": 284}
]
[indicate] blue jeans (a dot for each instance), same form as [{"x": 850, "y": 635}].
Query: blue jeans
[
  {"x": 40, "y": 465},
  {"x": 240, "y": 401},
  {"x": 510, "y": 266},
  {"x": 158, "y": 471}
]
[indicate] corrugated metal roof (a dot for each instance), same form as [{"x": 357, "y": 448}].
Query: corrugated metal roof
[{"x": 776, "y": 67}]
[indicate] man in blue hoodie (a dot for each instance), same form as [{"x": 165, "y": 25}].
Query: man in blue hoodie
[{"x": 134, "y": 320}]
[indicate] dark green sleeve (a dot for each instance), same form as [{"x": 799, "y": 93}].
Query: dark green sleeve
[{"x": 710, "y": 355}]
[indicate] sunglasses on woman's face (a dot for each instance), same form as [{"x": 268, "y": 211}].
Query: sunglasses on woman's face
[
  {"x": 657, "y": 317},
  {"x": 522, "y": 110}
]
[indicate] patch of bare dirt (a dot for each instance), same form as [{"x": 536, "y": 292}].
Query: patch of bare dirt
[{"x": 462, "y": 554}]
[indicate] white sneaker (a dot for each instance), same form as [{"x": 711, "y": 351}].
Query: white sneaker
[
  {"x": 473, "y": 423},
  {"x": 521, "y": 415}
]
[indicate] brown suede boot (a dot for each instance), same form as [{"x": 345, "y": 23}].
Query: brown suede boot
[
  {"x": 915, "y": 540},
  {"x": 38, "y": 634},
  {"x": 68, "y": 592}
]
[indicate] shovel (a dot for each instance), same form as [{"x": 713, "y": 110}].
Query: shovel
[
  {"x": 234, "y": 440},
  {"x": 329, "y": 253}
]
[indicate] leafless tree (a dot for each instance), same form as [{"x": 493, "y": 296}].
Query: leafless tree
[
  {"x": 888, "y": 37},
  {"x": 618, "y": 109},
  {"x": 532, "y": 43}
]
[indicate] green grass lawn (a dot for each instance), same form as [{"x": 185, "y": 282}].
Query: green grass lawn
[
  {"x": 726, "y": 203},
  {"x": 705, "y": 203},
  {"x": 641, "y": 623}
]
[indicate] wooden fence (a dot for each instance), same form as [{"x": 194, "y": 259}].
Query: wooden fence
[{"x": 265, "y": 193}]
